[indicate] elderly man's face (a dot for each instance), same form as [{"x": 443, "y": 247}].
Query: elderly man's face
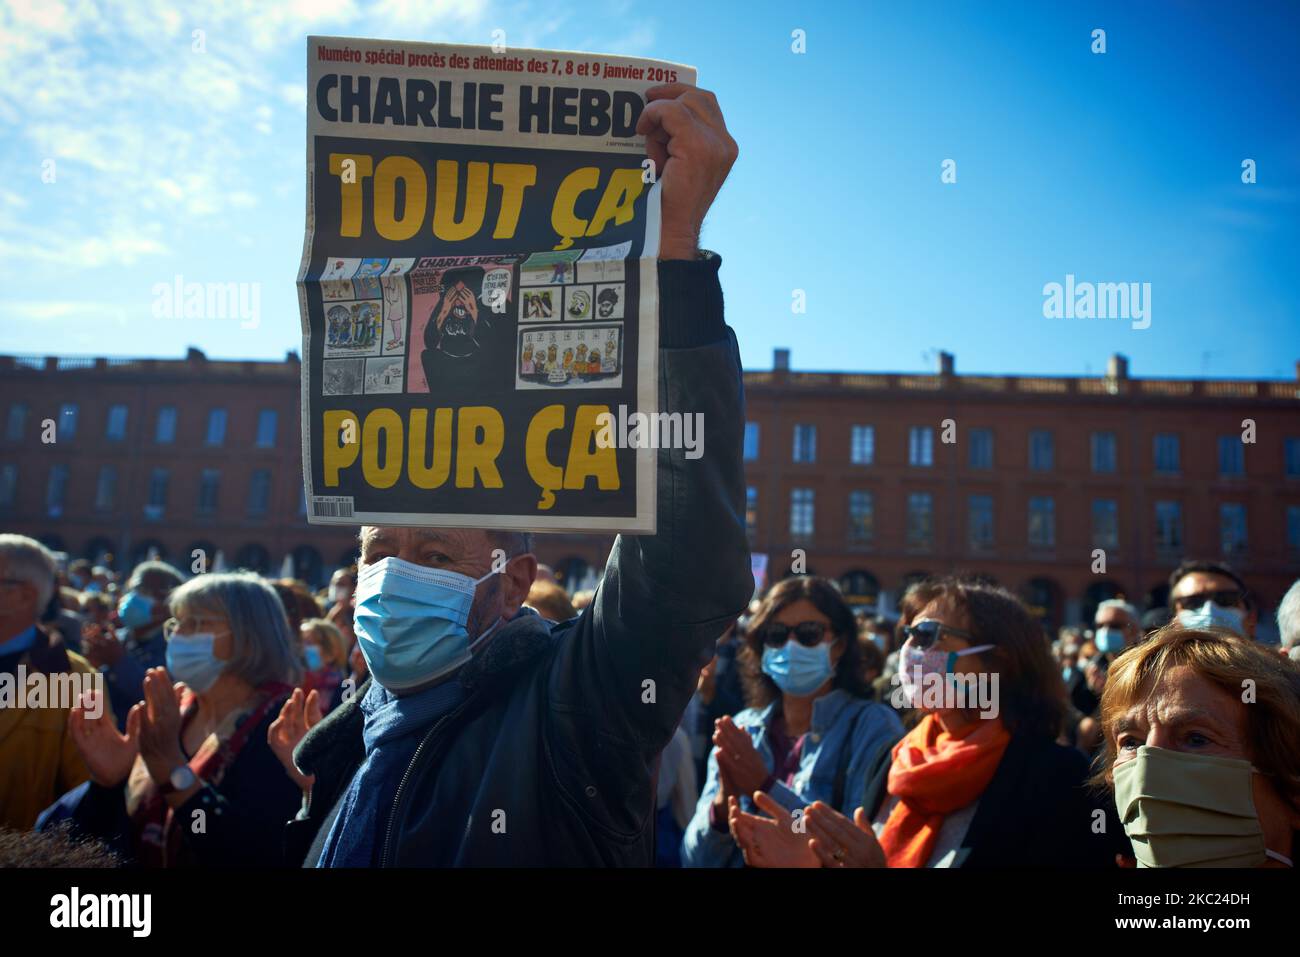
[
  {"x": 19, "y": 604},
  {"x": 1185, "y": 712},
  {"x": 1118, "y": 618},
  {"x": 467, "y": 551}
]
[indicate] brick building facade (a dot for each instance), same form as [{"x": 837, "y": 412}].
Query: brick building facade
[{"x": 871, "y": 479}]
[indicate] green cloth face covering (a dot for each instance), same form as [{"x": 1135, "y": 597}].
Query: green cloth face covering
[{"x": 1189, "y": 810}]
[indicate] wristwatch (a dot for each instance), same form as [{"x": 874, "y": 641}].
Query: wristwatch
[{"x": 182, "y": 778}]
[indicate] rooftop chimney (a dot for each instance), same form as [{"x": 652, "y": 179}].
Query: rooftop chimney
[
  {"x": 945, "y": 363},
  {"x": 781, "y": 360},
  {"x": 1117, "y": 367}
]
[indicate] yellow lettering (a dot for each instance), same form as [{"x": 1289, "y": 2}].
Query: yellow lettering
[
  {"x": 473, "y": 455},
  {"x": 337, "y": 455},
  {"x": 584, "y": 463},
  {"x": 387, "y": 222},
  {"x": 564, "y": 218},
  {"x": 619, "y": 200},
  {"x": 433, "y": 475},
  {"x": 513, "y": 178},
  {"x": 547, "y": 476},
  {"x": 390, "y": 423},
  {"x": 350, "y": 191},
  {"x": 447, "y": 192}
]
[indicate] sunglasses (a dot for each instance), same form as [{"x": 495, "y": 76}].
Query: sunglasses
[
  {"x": 807, "y": 633},
  {"x": 1225, "y": 599},
  {"x": 927, "y": 631}
]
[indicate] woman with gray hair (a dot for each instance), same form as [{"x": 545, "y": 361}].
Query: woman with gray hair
[{"x": 193, "y": 780}]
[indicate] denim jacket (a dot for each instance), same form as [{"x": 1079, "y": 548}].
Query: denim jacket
[{"x": 840, "y": 721}]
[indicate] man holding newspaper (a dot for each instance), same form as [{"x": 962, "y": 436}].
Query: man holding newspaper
[{"x": 487, "y": 735}]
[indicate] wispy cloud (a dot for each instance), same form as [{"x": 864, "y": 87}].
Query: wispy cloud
[{"x": 132, "y": 122}]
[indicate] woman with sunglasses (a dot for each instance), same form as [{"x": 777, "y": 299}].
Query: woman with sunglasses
[
  {"x": 194, "y": 781},
  {"x": 810, "y": 732},
  {"x": 980, "y": 781}
]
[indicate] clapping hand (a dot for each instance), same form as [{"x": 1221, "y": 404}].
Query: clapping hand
[
  {"x": 159, "y": 719},
  {"x": 109, "y": 755},
  {"x": 776, "y": 841},
  {"x": 839, "y": 842},
  {"x": 299, "y": 714}
]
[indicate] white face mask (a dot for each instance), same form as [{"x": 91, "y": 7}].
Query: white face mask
[{"x": 916, "y": 664}]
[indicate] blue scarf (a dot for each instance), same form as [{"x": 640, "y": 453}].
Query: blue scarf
[{"x": 393, "y": 729}]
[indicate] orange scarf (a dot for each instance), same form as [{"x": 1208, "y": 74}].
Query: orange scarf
[{"x": 932, "y": 775}]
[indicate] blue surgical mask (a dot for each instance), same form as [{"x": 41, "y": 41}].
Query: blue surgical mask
[
  {"x": 1109, "y": 640},
  {"x": 136, "y": 610},
  {"x": 796, "y": 669},
  {"x": 1210, "y": 615},
  {"x": 190, "y": 659},
  {"x": 410, "y": 621},
  {"x": 312, "y": 654}
]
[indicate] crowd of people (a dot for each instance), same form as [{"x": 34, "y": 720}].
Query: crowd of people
[
  {"x": 807, "y": 740},
  {"x": 446, "y": 703}
]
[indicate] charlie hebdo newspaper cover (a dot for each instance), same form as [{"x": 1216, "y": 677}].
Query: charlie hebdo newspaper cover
[{"x": 478, "y": 286}]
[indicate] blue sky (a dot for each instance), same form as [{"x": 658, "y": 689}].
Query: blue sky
[{"x": 1115, "y": 167}]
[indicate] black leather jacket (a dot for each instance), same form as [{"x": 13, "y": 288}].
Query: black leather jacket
[{"x": 550, "y": 758}]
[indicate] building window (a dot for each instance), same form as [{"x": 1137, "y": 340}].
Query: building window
[
  {"x": 920, "y": 446},
  {"x": 1042, "y": 522},
  {"x": 980, "y": 524},
  {"x": 805, "y": 443},
  {"x": 981, "y": 448},
  {"x": 1291, "y": 452},
  {"x": 266, "y": 422},
  {"x": 209, "y": 491},
  {"x": 165, "y": 432},
  {"x": 259, "y": 492},
  {"x": 920, "y": 520},
  {"x": 801, "y": 512},
  {"x": 862, "y": 445},
  {"x": 1166, "y": 452},
  {"x": 8, "y": 485},
  {"x": 1042, "y": 451},
  {"x": 56, "y": 491},
  {"x": 67, "y": 427},
  {"x": 1293, "y": 529},
  {"x": 157, "y": 503},
  {"x": 115, "y": 431},
  {"x": 1169, "y": 526},
  {"x": 1232, "y": 456},
  {"x": 862, "y": 517},
  {"x": 751, "y": 510},
  {"x": 1103, "y": 452},
  {"x": 751, "y": 441},
  {"x": 1232, "y": 528},
  {"x": 16, "y": 424},
  {"x": 216, "y": 427},
  {"x": 106, "y": 489},
  {"x": 1105, "y": 523}
]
